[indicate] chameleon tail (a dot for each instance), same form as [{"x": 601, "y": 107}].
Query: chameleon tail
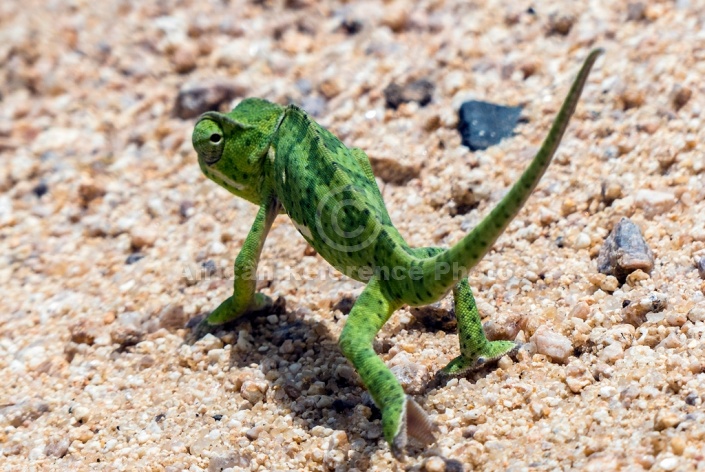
[{"x": 440, "y": 273}]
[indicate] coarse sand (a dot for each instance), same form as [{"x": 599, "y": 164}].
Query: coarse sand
[{"x": 111, "y": 238}]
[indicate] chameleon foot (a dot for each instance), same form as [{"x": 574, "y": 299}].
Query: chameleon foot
[
  {"x": 490, "y": 352},
  {"x": 204, "y": 324},
  {"x": 416, "y": 424}
]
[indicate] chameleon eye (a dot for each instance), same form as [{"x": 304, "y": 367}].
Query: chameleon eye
[{"x": 208, "y": 141}]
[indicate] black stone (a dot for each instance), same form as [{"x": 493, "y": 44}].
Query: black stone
[
  {"x": 624, "y": 251},
  {"x": 484, "y": 124},
  {"x": 340, "y": 405},
  {"x": 351, "y": 26},
  {"x": 134, "y": 257},
  {"x": 209, "y": 267},
  {"x": 40, "y": 189}
]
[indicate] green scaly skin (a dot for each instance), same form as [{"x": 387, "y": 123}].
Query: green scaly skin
[{"x": 281, "y": 160}]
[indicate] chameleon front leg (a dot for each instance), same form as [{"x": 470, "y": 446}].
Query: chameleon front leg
[
  {"x": 244, "y": 298},
  {"x": 400, "y": 414},
  {"x": 475, "y": 348}
]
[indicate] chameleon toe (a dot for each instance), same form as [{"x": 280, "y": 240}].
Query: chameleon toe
[
  {"x": 415, "y": 424},
  {"x": 491, "y": 352}
]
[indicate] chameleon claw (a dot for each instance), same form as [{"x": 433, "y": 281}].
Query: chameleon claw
[
  {"x": 199, "y": 327},
  {"x": 415, "y": 424},
  {"x": 494, "y": 351},
  {"x": 263, "y": 305}
]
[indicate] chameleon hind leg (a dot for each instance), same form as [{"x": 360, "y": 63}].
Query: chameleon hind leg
[
  {"x": 400, "y": 414},
  {"x": 245, "y": 299},
  {"x": 475, "y": 349}
]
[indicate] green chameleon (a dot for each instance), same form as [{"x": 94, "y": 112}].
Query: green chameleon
[{"x": 281, "y": 160}]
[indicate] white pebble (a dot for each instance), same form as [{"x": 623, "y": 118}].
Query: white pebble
[
  {"x": 669, "y": 463},
  {"x": 552, "y": 344},
  {"x": 654, "y": 202},
  {"x": 582, "y": 241}
]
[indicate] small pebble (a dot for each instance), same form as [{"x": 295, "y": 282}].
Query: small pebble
[
  {"x": 611, "y": 191},
  {"x": 680, "y": 96},
  {"x": 701, "y": 267},
  {"x": 582, "y": 241},
  {"x": 40, "y": 189},
  {"x": 57, "y": 447},
  {"x": 612, "y": 353},
  {"x": 396, "y": 16},
  {"x": 668, "y": 464},
  {"x": 394, "y": 171},
  {"x": 412, "y": 376},
  {"x": 142, "y": 237},
  {"x": 581, "y": 310},
  {"x": 635, "y": 312},
  {"x": 483, "y": 124},
  {"x": 552, "y": 344},
  {"x": 134, "y": 257},
  {"x": 434, "y": 464},
  {"x": 624, "y": 251},
  {"x": 577, "y": 376},
  {"x": 184, "y": 58},
  {"x": 193, "y": 100},
  {"x": 253, "y": 433},
  {"x": 419, "y": 91},
  {"x": 560, "y": 23},
  {"x": 697, "y": 313},
  {"x": 254, "y": 390},
  {"x": 654, "y": 203},
  {"x": 636, "y": 11},
  {"x": 631, "y": 98},
  {"x": 665, "y": 419}
]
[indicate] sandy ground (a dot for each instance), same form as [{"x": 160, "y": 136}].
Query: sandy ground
[{"x": 111, "y": 239}]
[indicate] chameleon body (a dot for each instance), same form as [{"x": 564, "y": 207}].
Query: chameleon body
[{"x": 281, "y": 160}]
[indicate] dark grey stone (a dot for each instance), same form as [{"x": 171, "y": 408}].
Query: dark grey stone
[{"x": 484, "y": 124}]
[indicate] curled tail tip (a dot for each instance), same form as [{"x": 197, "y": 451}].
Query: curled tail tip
[{"x": 592, "y": 56}]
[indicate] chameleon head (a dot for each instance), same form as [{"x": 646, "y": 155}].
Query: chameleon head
[{"x": 232, "y": 147}]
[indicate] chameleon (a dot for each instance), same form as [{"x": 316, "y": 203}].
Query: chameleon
[{"x": 278, "y": 158}]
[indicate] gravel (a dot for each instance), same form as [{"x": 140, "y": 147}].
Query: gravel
[{"x": 98, "y": 170}]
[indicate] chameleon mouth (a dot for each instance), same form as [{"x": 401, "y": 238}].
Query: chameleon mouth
[{"x": 219, "y": 177}]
